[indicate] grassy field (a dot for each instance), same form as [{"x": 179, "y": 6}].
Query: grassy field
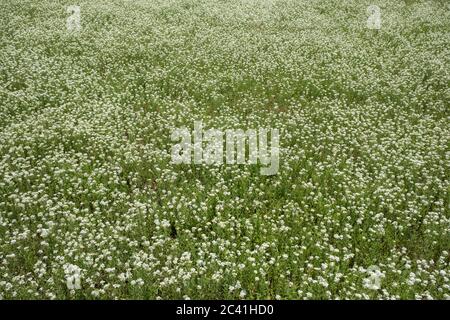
[{"x": 92, "y": 207}]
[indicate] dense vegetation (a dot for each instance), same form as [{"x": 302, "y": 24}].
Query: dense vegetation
[{"x": 91, "y": 206}]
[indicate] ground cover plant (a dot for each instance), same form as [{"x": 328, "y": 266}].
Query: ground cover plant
[{"x": 92, "y": 207}]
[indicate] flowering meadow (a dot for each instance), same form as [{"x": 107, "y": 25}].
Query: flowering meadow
[{"x": 92, "y": 207}]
